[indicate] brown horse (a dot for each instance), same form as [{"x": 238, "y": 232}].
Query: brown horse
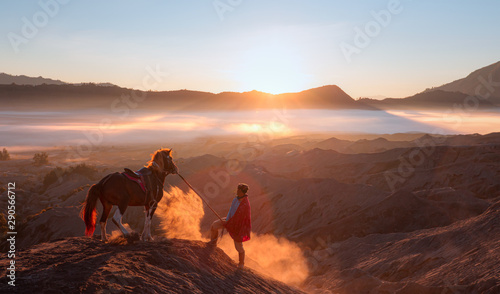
[{"x": 116, "y": 189}]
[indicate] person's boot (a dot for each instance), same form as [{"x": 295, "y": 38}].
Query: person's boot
[
  {"x": 242, "y": 260},
  {"x": 213, "y": 238}
]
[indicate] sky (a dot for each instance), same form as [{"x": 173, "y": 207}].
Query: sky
[{"x": 371, "y": 48}]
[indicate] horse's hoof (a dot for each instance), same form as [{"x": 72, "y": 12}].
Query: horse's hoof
[{"x": 146, "y": 239}]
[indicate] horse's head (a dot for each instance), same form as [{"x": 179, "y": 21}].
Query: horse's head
[{"x": 163, "y": 162}]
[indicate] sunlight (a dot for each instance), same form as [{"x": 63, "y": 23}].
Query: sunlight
[
  {"x": 276, "y": 129},
  {"x": 273, "y": 68},
  {"x": 174, "y": 123},
  {"x": 472, "y": 122}
]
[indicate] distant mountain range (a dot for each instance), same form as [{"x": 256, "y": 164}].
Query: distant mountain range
[
  {"x": 91, "y": 96},
  {"x": 436, "y": 99},
  {"x": 6, "y": 79},
  {"x": 456, "y": 93},
  {"x": 22, "y": 92}
]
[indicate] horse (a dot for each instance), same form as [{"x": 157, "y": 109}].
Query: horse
[{"x": 117, "y": 189}]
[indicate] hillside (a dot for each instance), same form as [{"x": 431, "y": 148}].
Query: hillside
[
  {"x": 436, "y": 99},
  {"x": 333, "y": 213},
  {"x": 459, "y": 258},
  {"x": 469, "y": 84},
  {"x": 483, "y": 81},
  {"x": 80, "y": 264}
]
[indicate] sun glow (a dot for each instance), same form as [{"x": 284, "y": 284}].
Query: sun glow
[
  {"x": 273, "y": 68},
  {"x": 274, "y": 128}
]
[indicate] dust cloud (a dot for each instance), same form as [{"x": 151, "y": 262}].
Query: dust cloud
[
  {"x": 181, "y": 214},
  {"x": 278, "y": 258}
]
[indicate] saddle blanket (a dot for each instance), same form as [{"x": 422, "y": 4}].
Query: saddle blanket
[{"x": 138, "y": 181}]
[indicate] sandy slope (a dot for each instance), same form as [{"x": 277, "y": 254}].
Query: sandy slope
[
  {"x": 85, "y": 265},
  {"x": 459, "y": 258}
]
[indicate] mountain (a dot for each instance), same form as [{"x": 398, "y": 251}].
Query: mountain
[
  {"x": 80, "y": 264},
  {"x": 436, "y": 99},
  {"x": 328, "y": 97},
  {"x": 456, "y": 93},
  {"x": 6, "y": 79},
  {"x": 92, "y": 96},
  {"x": 361, "y": 146},
  {"x": 21, "y": 91},
  {"x": 25, "y": 80},
  {"x": 469, "y": 84},
  {"x": 333, "y": 144}
]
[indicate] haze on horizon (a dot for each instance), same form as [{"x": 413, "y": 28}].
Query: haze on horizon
[{"x": 274, "y": 47}]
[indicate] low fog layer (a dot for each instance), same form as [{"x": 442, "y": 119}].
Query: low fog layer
[{"x": 98, "y": 127}]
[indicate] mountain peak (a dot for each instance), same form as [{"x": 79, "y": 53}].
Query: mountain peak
[{"x": 325, "y": 88}]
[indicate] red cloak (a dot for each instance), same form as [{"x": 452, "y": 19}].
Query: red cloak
[{"x": 240, "y": 224}]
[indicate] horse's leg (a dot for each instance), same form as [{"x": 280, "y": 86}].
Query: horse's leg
[
  {"x": 151, "y": 213},
  {"x": 105, "y": 213},
  {"x": 117, "y": 218}
]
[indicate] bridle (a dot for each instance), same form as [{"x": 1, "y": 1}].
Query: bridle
[{"x": 162, "y": 171}]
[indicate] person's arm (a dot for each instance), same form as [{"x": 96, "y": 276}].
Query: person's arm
[{"x": 232, "y": 209}]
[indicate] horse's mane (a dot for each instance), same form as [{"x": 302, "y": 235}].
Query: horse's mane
[{"x": 153, "y": 156}]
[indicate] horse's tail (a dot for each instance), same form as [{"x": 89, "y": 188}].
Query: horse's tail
[{"x": 89, "y": 212}]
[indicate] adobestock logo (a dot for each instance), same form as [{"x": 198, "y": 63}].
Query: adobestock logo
[
  {"x": 40, "y": 19},
  {"x": 364, "y": 36},
  {"x": 224, "y": 6}
]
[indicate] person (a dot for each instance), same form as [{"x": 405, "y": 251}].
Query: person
[{"x": 238, "y": 223}]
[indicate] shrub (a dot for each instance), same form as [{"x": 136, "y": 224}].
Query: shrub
[
  {"x": 58, "y": 173},
  {"x": 52, "y": 176},
  {"x": 4, "y": 155},
  {"x": 40, "y": 158},
  {"x": 82, "y": 169}
]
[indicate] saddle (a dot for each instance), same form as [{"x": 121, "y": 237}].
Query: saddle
[
  {"x": 146, "y": 180},
  {"x": 132, "y": 173}
]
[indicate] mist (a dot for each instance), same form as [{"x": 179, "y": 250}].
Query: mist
[{"x": 100, "y": 127}]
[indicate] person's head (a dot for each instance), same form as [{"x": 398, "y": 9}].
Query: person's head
[{"x": 242, "y": 189}]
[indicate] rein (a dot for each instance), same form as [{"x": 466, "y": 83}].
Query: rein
[{"x": 189, "y": 185}]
